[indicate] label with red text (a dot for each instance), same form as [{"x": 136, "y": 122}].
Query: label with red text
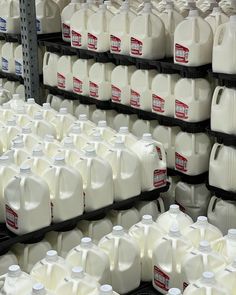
[
  {"x": 61, "y": 81},
  {"x": 181, "y": 163},
  {"x": 181, "y": 110},
  {"x": 158, "y": 104},
  {"x": 135, "y": 99},
  {"x": 66, "y": 31},
  {"x": 11, "y": 217},
  {"x": 93, "y": 89},
  {"x": 116, "y": 94},
  {"x": 161, "y": 279},
  {"x": 159, "y": 178},
  {"x": 115, "y": 43},
  {"x": 92, "y": 42},
  {"x": 136, "y": 46},
  {"x": 77, "y": 86},
  {"x": 76, "y": 39},
  {"x": 181, "y": 53}
]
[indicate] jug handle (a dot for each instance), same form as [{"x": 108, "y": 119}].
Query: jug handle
[
  {"x": 163, "y": 152},
  {"x": 11, "y": 9},
  {"x": 217, "y": 95},
  {"x": 49, "y": 98},
  {"x": 84, "y": 259},
  {"x": 161, "y": 205},
  {"x": 46, "y": 58},
  {"x": 116, "y": 252},
  {"x": 57, "y": 183},
  {"x": 194, "y": 28},
  {"x": 22, "y": 194},
  {"x": 212, "y": 203},
  {"x": 59, "y": 243},
  {"x": 26, "y": 257},
  {"x": 217, "y": 34},
  {"x": 89, "y": 171},
  {"x": 119, "y": 163},
  {"x": 215, "y": 151},
  {"x": 193, "y": 143},
  {"x": 146, "y": 32},
  {"x": 193, "y": 86}
]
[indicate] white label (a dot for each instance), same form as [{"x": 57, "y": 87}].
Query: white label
[
  {"x": 19, "y": 68},
  {"x": 3, "y": 25},
  {"x": 5, "y": 64}
]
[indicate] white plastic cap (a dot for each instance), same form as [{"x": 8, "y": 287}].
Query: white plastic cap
[
  {"x": 30, "y": 100},
  {"x": 59, "y": 160},
  {"x": 76, "y": 129},
  {"x": 174, "y": 231},
  {"x": 118, "y": 230},
  {"x": 147, "y": 219},
  {"x": 102, "y": 124},
  {"x": 77, "y": 272},
  {"x": 11, "y": 122},
  {"x": 26, "y": 130},
  {"x": 4, "y": 160},
  {"x": 51, "y": 256},
  {"x": 18, "y": 143},
  {"x": 105, "y": 290},
  {"x": 90, "y": 151},
  {"x": 147, "y": 137},
  {"x": 204, "y": 246},
  {"x": 49, "y": 138},
  {"x": 46, "y": 106},
  {"x": 202, "y": 221},
  {"x": 16, "y": 96},
  {"x": 119, "y": 143},
  {"x": 174, "y": 291},
  {"x": 39, "y": 289},
  {"x": 124, "y": 130},
  {"x": 37, "y": 152},
  {"x": 96, "y": 136},
  {"x": 232, "y": 234},
  {"x": 63, "y": 111},
  {"x": 68, "y": 142},
  {"x": 25, "y": 169},
  {"x": 14, "y": 271},
  {"x": 208, "y": 278},
  {"x": 38, "y": 116},
  {"x": 86, "y": 242},
  {"x": 174, "y": 209},
  {"x": 83, "y": 117}
]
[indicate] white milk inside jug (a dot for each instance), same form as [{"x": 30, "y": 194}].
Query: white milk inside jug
[
  {"x": 224, "y": 46},
  {"x": 140, "y": 93},
  {"x": 62, "y": 4},
  {"x": 8, "y": 133},
  {"x": 81, "y": 70},
  {"x": 85, "y": 124},
  {"x": 169, "y": 196},
  {"x": 17, "y": 153},
  {"x": 123, "y": 120},
  {"x": 69, "y": 151},
  {"x": 126, "y": 218},
  {"x": 163, "y": 86},
  {"x": 147, "y": 35},
  {"x": 153, "y": 162},
  {"x": 100, "y": 80},
  {"x": 41, "y": 126},
  {"x": 66, "y": 190},
  {"x": 50, "y": 146},
  {"x": 51, "y": 270},
  {"x": 32, "y": 107},
  {"x": 106, "y": 132},
  {"x": 85, "y": 109},
  {"x": 22, "y": 118},
  {"x": 92, "y": 259},
  {"x": 79, "y": 138},
  {"x": 20, "y": 89},
  {"x": 16, "y": 102},
  {"x": 6, "y": 260},
  {"x": 120, "y": 80},
  {"x": 192, "y": 153},
  {"x": 103, "y": 115},
  {"x": 11, "y": 86},
  {"x": 98, "y": 29},
  {"x": 146, "y": 234},
  {"x": 167, "y": 260},
  {"x": 10, "y": 17},
  {"x": 192, "y": 100},
  {"x": 48, "y": 18},
  {"x": 55, "y": 101},
  {"x": 216, "y": 18},
  {"x": 5, "y": 95},
  {"x": 153, "y": 208},
  {"x": 50, "y": 62},
  {"x": 70, "y": 105},
  {"x": 64, "y": 72},
  {"x": 8, "y": 59},
  {"x": 193, "y": 41},
  {"x": 96, "y": 141},
  {"x": 226, "y": 277},
  {"x": 128, "y": 138},
  {"x": 124, "y": 256},
  {"x": 47, "y": 111},
  {"x": 112, "y": 6}
]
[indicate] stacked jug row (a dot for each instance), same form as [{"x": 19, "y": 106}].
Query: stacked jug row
[{"x": 13, "y": 87}]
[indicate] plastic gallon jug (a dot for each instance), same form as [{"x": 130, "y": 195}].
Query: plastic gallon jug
[
  {"x": 81, "y": 70},
  {"x": 8, "y": 133},
  {"x": 141, "y": 94},
  {"x": 69, "y": 151},
  {"x": 147, "y": 35},
  {"x": 66, "y": 190},
  {"x": 224, "y": 45},
  {"x": 41, "y": 126},
  {"x": 143, "y": 126},
  {"x": 48, "y": 112},
  {"x": 103, "y": 115},
  {"x": 66, "y": 16},
  {"x": 173, "y": 217},
  {"x": 193, "y": 41},
  {"x": 192, "y": 153},
  {"x": 50, "y": 146},
  {"x": 169, "y": 196},
  {"x": 29, "y": 254},
  {"x": 10, "y": 17},
  {"x": 11, "y": 86},
  {"x": 167, "y": 135},
  {"x": 106, "y": 132},
  {"x": 17, "y": 153},
  {"x": 153, "y": 208},
  {"x": 51, "y": 270},
  {"x": 201, "y": 230},
  {"x": 146, "y": 234},
  {"x": 193, "y": 199},
  {"x": 98, "y": 187},
  {"x": 167, "y": 259},
  {"x": 16, "y": 102},
  {"x": 123, "y": 120},
  {"x": 163, "y": 86},
  {"x": 22, "y": 118},
  {"x": 50, "y": 62},
  {"x": 85, "y": 124},
  {"x": 32, "y": 107},
  {"x": 126, "y": 136},
  {"x": 153, "y": 162},
  {"x": 8, "y": 59},
  {"x": 120, "y": 30},
  {"x": 62, "y": 4},
  {"x": 98, "y": 29},
  {"x": 126, "y": 218},
  {"x": 64, "y": 72},
  {"x": 40, "y": 289},
  {"x": 7, "y": 260},
  {"x": 96, "y": 141},
  {"x": 63, "y": 242},
  {"x": 16, "y": 281},
  {"x": 106, "y": 290},
  {"x": 84, "y": 109},
  {"x": 18, "y": 55},
  {"x": 226, "y": 277},
  {"x": 100, "y": 80},
  {"x": 70, "y": 105},
  {"x": 20, "y": 89},
  {"x": 78, "y": 137},
  {"x": 5, "y": 95},
  {"x": 92, "y": 259},
  {"x": 48, "y": 18},
  {"x": 124, "y": 256},
  {"x": 216, "y": 18}
]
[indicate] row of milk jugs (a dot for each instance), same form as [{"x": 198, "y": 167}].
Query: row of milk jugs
[{"x": 13, "y": 87}]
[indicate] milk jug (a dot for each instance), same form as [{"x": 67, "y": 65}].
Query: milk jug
[
  {"x": 224, "y": 45},
  {"x": 222, "y": 107},
  {"x": 51, "y": 270},
  {"x": 29, "y": 254},
  {"x": 48, "y": 112},
  {"x": 62, "y": 4},
  {"x": 48, "y": 19},
  {"x": 96, "y": 141},
  {"x": 85, "y": 109},
  {"x": 92, "y": 259},
  {"x": 40, "y": 289},
  {"x": 78, "y": 137},
  {"x": 24, "y": 210},
  {"x": 140, "y": 93},
  {"x": 69, "y": 151},
  {"x": 66, "y": 190},
  {"x": 64, "y": 72},
  {"x": 146, "y": 234},
  {"x": 124, "y": 256},
  {"x": 106, "y": 132},
  {"x": 153, "y": 208},
  {"x": 85, "y": 124},
  {"x": 140, "y": 127},
  {"x": 106, "y": 290},
  {"x": 147, "y": 35},
  {"x": 123, "y": 120},
  {"x": 95, "y": 229},
  {"x": 192, "y": 153},
  {"x": 153, "y": 162},
  {"x": 8, "y": 60},
  {"x": 22, "y": 118},
  {"x": 7, "y": 260},
  {"x": 216, "y": 18},
  {"x": 173, "y": 217},
  {"x": 120, "y": 80},
  {"x": 41, "y": 126},
  {"x": 126, "y": 136},
  {"x": 226, "y": 277},
  {"x": 17, "y": 102},
  {"x": 103, "y": 115},
  {"x": 50, "y": 62},
  {"x": 63, "y": 242},
  {"x": 10, "y": 17},
  {"x": 18, "y": 55},
  {"x": 16, "y": 281},
  {"x": 126, "y": 218},
  {"x": 17, "y": 153},
  {"x": 98, "y": 187},
  {"x": 100, "y": 80},
  {"x": 20, "y": 89},
  {"x": 193, "y": 199},
  {"x": 32, "y": 107},
  {"x": 11, "y": 86},
  {"x": 5, "y": 95},
  {"x": 163, "y": 86},
  {"x": 66, "y": 16},
  {"x": 8, "y": 133},
  {"x": 193, "y": 41},
  {"x": 70, "y": 105},
  {"x": 167, "y": 259},
  {"x": 169, "y": 196},
  {"x": 120, "y": 30},
  {"x": 81, "y": 70},
  {"x": 98, "y": 29},
  {"x": 167, "y": 136},
  {"x": 50, "y": 145}
]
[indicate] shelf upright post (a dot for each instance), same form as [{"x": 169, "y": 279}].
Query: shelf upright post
[{"x": 30, "y": 49}]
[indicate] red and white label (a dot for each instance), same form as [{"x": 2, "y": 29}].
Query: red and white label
[
  {"x": 136, "y": 46},
  {"x": 161, "y": 279},
  {"x": 159, "y": 178},
  {"x": 158, "y": 104},
  {"x": 116, "y": 94},
  {"x": 115, "y": 43},
  {"x": 92, "y": 42},
  {"x": 181, "y": 163},
  {"x": 76, "y": 39},
  {"x": 181, "y": 53},
  {"x": 66, "y": 31},
  {"x": 11, "y": 217},
  {"x": 77, "y": 85},
  {"x": 135, "y": 99},
  {"x": 93, "y": 89},
  {"x": 181, "y": 110},
  {"x": 61, "y": 81}
]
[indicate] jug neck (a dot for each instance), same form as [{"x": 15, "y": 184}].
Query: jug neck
[
  {"x": 123, "y": 130},
  {"x": 25, "y": 170},
  {"x": 118, "y": 231},
  {"x": 174, "y": 209},
  {"x": 231, "y": 234},
  {"x": 202, "y": 221},
  {"x": 208, "y": 278},
  {"x": 90, "y": 152},
  {"x": 59, "y": 160},
  {"x": 39, "y": 289},
  {"x": 147, "y": 219},
  {"x": 106, "y": 290},
  {"x": 204, "y": 247},
  {"x": 14, "y": 271},
  {"x": 86, "y": 243},
  {"x": 77, "y": 273},
  {"x": 174, "y": 232},
  {"x": 52, "y": 256}
]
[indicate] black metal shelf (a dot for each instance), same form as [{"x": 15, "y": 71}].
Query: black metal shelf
[
  {"x": 191, "y": 179},
  {"x": 226, "y": 80},
  {"x": 221, "y": 193},
  {"x": 144, "y": 289},
  {"x": 11, "y": 77},
  {"x": 223, "y": 138},
  {"x": 14, "y": 38}
]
